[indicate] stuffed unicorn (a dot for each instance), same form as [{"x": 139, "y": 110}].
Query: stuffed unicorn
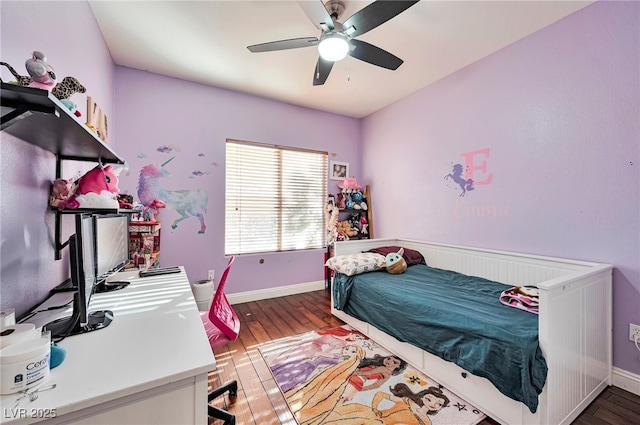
[{"x": 97, "y": 189}]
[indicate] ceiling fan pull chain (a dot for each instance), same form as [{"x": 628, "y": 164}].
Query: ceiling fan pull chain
[{"x": 348, "y": 68}]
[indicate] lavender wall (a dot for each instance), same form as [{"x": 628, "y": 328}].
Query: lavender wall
[
  {"x": 160, "y": 118},
  {"x": 548, "y": 130},
  {"x": 68, "y": 34}
]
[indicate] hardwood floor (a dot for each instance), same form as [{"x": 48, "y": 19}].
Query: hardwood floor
[{"x": 260, "y": 402}]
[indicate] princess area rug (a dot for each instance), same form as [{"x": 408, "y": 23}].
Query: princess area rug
[{"x": 340, "y": 377}]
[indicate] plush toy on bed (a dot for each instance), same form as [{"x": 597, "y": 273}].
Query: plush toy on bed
[{"x": 394, "y": 263}]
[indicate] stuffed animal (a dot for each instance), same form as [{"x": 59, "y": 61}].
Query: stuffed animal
[
  {"x": 364, "y": 225},
  {"x": 97, "y": 189},
  {"x": 21, "y": 80},
  {"x": 125, "y": 200},
  {"x": 42, "y": 74},
  {"x": 61, "y": 190},
  {"x": 342, "y": 201},
  {"x": 71, "y": 106},
  {"x": 68, "y": 87},
  {"x": 395, "y": 263},
  {"x": 331, "y": 218},
  {"x": 345, "y": 230}
]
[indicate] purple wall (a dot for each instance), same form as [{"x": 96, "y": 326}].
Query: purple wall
[
  {"x": 161, "y": 118},
  {"x": 68, "y": 34},
  {"x": 548, "y": 130}
]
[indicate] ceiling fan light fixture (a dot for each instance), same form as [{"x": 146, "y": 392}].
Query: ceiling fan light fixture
[{"x": 333, "y": 46}]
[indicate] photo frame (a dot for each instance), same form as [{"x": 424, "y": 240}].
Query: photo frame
[{"x": 338, "y": 170}]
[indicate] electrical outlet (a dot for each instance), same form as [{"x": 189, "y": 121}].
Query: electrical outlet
[
  {"x": 633, "y": 330},
  {"x": 211, "y": 274}
]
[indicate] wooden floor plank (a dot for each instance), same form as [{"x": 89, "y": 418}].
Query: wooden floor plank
[{"x": 260, "y": 401}]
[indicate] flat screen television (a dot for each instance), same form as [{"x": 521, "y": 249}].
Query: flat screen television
[
  {"x": 83, "y": 277},
  {"x": 112, "y": 248}
]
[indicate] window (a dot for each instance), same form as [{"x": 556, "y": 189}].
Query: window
[{"x": 275, "y": 198}]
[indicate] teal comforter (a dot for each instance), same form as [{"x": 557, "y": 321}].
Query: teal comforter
[{"x": 456, "y": 317}]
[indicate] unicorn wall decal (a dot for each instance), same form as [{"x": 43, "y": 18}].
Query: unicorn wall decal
[
  {"x": 456, "y": 175},
  {"x": 187, "y": 203}
]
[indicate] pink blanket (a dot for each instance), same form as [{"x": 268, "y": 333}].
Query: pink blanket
[{"x": 522, "y": 297}]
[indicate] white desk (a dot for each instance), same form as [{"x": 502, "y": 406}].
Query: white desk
[{"x": 149, "y": 366}]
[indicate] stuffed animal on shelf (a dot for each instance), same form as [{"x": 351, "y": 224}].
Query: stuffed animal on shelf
[
  {"x": 342, "y": 201},
  {"x": 345, "y": 231},
  {"x": 125, "y": 201},
  {"x": 61, "y": 190},
  {"x": 359, "y": 203},
  {"x": 71, "y": 106},
  {"x": 42, "y": 74},
  {"x": 62, "y": 90},
  {"x": 67, "y": 87},
  {"x": 97, "y": 189},
  {"x": 395, "y": 263},
  {"x": 21, "y": 80},
  {"x": 364, "y": 225}
]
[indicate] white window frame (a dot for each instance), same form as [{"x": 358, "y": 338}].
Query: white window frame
[{"x": 274, "y": 198}]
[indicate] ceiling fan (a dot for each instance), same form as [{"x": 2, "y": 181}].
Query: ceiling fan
[{"x": 338, "y": 39}]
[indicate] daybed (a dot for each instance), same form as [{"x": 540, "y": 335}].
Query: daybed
[{"x": 574, "y": 327}]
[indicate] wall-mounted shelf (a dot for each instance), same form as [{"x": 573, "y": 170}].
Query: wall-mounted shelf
[{"x": 37, "y": 117}]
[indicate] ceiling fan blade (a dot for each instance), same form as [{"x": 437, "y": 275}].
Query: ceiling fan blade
[
  {"x": 374, "y": 55},
  {"x": 317, "y": 13},
  {"x": 375, "y": 14},
  {"x": 321, "y": 71},
  {"x": 293, "y": 43}
]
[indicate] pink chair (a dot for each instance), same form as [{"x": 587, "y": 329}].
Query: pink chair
[{"x": 222, "y": 326}]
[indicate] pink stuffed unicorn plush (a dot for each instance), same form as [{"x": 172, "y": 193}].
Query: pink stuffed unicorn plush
[{"x": 97, "y": 189}]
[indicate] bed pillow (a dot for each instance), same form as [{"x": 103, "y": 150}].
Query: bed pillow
[
  {"x": 412, "y": 257},
  {"x": 355, "y": 263}
]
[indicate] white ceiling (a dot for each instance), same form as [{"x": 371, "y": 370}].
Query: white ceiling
[{"x": 205, "y": 42}]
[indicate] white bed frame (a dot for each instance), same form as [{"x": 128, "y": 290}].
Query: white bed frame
[{"x": 575, "y": 328}]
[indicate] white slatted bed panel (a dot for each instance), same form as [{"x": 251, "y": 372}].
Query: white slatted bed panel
[{"x": 575, "y": 328}]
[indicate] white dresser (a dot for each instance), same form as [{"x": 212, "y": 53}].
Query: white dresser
[{"x": 149, "y": 366}]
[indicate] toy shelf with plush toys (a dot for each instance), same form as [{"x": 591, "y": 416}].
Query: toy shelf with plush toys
[
  {"x": 36, "y": 109},
  {"x": 348, "y": 215}
]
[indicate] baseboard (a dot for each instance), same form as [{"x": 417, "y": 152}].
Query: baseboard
[
  {"x": 626, "y": 380},
  {"x": 280, "y": 291}
]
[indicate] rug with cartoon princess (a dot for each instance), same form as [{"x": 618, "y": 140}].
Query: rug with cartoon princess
[{"x": 339, "y": 376}]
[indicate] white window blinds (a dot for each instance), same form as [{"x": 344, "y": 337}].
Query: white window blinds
[{"x": 274, "y": 198}]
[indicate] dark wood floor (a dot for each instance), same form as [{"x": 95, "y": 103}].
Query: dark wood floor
[{"x": 259, "y": 400}]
